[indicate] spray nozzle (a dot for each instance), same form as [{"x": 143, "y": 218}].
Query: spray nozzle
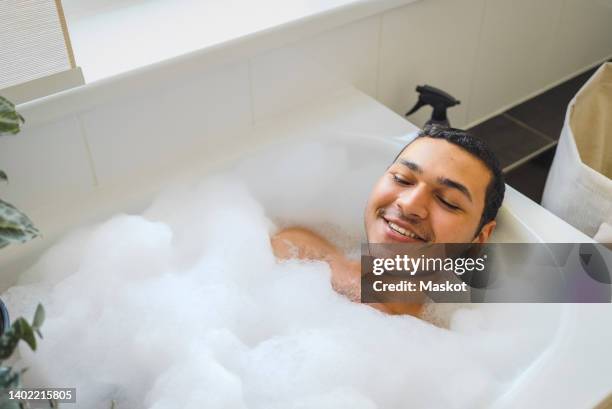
[{"x": 439, "y": 100}]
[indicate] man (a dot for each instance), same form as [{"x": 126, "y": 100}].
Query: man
[{"x": 444, "y": 187}]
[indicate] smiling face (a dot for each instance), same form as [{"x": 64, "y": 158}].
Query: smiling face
[{"x": 434, "y": 192}]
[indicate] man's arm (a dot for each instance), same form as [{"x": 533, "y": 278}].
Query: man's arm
[{"x": 297, "y": 242}]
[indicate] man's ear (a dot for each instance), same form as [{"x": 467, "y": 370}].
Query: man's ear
[{"x": 485, "y": 232}]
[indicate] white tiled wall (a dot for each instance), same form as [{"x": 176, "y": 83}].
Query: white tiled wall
[
  {"x": 514, "y": 52},
  {"x": 432, "y": 42},
  {"x": 45, "y": 162},
  {"x": 284, "y": 78},
  {"x": 487, "y": 53},
  {"x": 292, "y": 75},
  {"x": 490, "y": 54},
  {"x": 148, "y": 131},
  {"x": 584, "y": 35},
  {"x": 350, "y": 52}
]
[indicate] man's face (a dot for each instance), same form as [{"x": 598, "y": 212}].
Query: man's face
[{"x": 434, "y": 192}]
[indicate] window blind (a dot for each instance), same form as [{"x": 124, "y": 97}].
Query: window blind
[{"x": 34, "y": 41}]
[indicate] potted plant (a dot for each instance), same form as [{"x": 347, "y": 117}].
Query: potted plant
[{"x": 15, "y": 227}]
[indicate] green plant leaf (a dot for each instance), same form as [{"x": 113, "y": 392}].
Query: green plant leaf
[
  {"x": 20, "y": 329},
  {"x": 8, "y": 342},
  {"x": 25, "y": 332},
  {"x": 10, "y": 120},
  {"x": 3, "y": 177},
  {"x": 15, "y": 226},
  {"x": 39, "y": 317}
]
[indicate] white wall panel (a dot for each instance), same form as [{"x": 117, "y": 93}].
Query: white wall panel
[
  {"x": 146, "y": 132},
  {"x": 287, "y": 77},
  {"x": 583, "y": 37},
  {"x": 429, "y": 42},
  {"x": 514, "y": 49},
  {"x": 349, "y": 52},
  {"x": 45, "y": 163},
  {"x": 33, "y": 44}
]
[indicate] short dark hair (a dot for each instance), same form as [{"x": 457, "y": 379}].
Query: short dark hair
[{"x": 494, "y": 195}]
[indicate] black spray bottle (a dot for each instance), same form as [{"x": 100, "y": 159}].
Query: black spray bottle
[{"x": 439, "y": 100}]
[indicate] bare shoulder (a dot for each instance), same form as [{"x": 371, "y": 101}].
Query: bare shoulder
[{"x": 299, "y": 242}]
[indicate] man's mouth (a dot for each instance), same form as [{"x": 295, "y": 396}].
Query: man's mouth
[{"x": 403, "y": 231}]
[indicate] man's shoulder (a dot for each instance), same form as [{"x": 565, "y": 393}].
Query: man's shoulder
[{"x": 300, "y": 242}]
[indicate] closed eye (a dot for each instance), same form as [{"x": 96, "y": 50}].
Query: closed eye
[
  {"x": 450, "y": 206},
  {"x": 401, "y": 180}
]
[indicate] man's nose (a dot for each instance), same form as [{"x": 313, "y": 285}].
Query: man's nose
[{"x": 414, "y": 202}]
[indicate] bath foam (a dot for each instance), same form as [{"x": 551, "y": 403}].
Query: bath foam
[{"x": 185, "y": 306}]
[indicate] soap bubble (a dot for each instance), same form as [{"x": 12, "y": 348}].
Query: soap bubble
[{"x": 185, "y": 306}]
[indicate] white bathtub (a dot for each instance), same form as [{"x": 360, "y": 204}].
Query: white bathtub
[{"x": 571, "y": 361}]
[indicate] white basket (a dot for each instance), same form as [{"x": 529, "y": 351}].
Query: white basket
[{"x": 579, "y": 184}]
